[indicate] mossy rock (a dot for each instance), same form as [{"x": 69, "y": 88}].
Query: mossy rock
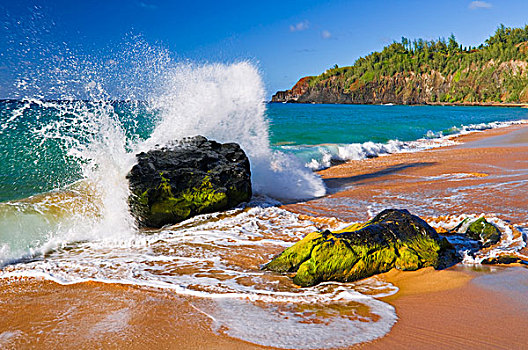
[
  {"x": 480, "y": 230},
  {"x": 190, "y": 177},
  {"x": 392, "y": 239},
  {"x": 483, "y": 231}
]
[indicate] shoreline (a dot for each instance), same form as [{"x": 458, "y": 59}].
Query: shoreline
[
  {"x": 480, "y": 160},
  {"x": 457, "y": 104},
  {"x": 46, "y": 315},
  {"x": 446, "y": 309},
  {"x": 477, "y": 104},
  {"x": 436, "y": 309}
]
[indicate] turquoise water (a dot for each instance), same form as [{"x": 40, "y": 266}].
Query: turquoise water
[
  {"x": 37, "y": 140},
  {"x": 312, "y": 124},
  {"x": 321, "y": 134},
  {"x": 36, "y": 148}
]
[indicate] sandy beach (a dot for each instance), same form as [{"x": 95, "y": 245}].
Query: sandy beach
[
  {"x": 452, "y": 309},
  {"x": 221, "y": 175},
  {"x": 39, "y": 314},
  {"x": 457, "y": 308}
]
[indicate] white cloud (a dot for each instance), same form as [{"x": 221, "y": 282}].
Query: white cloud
[
  {"x": 147, "y": 6},
  {"x": 474, "y": 5},
  {"x": 325, "y": 34},
  {"x": 300, "y": 26}
]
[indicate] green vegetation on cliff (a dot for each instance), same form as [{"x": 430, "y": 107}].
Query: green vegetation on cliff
[{"x": 422, "y": 71}]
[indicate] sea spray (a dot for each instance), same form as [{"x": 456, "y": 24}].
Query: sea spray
[
  {"x": 84, "y": 228},
  {"x": 89, "y": 141},
  {"x": 226, "y": 103},
  {"x": 93, "y": 143}
]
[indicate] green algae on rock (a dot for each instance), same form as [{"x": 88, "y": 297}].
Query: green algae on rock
[
  {"x": 392, "y": 239},
  {"x": 483, "y": 231},
  {"x": 477, "y": 234},
  {"x": 187, "y": 178}
]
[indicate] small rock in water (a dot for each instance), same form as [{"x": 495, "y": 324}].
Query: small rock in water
[
  {"x": 392, "y": 239},
  {"x": 187, "y": 178},
  {"x": 479, "y": 230},
  {"x": 502, "y": 259}
]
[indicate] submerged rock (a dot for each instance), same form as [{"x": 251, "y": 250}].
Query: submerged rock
[
  {"x": 502, "y": 259},
  {"x": 479, "y": 230},
  {"x": 187, "y": 178},
  {"x": 392, "y": 239}
]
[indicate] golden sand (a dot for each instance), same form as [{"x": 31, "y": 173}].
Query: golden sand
[
  {"x": 39, "y": 314},
  {"x": 445, "y": 310}
]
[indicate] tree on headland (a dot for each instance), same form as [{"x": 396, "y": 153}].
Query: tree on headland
[{"x": 453, "y": 46}]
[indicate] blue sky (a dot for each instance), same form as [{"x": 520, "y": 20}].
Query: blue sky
[{"x": 286, "y": 39}]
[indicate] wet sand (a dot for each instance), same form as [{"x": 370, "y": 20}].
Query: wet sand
[
  {"x": 436, "y": 309},
  {"x": 40, "y": 314},
  {"x": 458, "y": 308},
  {"x": 452, "y": 309}
]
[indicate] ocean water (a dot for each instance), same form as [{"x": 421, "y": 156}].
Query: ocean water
[
  {"x": 318, "y": 134},
  {"x": 63, "y": 197},
  {"x": 38, "y": 138}
]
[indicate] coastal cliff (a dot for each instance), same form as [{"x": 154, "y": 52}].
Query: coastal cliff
[{"x": 426, "y": 72}]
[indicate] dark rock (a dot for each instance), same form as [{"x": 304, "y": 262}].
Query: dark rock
[
  {"x": 392, "y": 239},
  {"x": 294, "y": 93},
  {"x": 502, "y": 259},
  {"x": 334, "y": 162},
  {"x": 480, "y": 230},
  {"x": 190, "y": 177}
]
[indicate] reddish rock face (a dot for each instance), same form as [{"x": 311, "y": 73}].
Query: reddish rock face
[
  {"x": 301, "y": 87},
  {"x": 292, "y": 95}
]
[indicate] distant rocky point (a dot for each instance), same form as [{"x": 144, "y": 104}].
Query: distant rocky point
[{"x": 426, "y": 72}]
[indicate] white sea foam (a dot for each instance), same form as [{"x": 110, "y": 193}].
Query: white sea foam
[
  {"x": 297, "y": 326},
  {"x": 7, "y": 338},
  {"x": 322, "y": 156},
  {"x": 87, "y": 233},
  {"x": 221, "y": 102},
  {"x": 513, "y": 238},
  {"x": 203, "y": 257},
  {"x": 90, "y": 133}
]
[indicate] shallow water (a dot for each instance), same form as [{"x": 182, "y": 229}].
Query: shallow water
[{"x": 320, "y": 134}]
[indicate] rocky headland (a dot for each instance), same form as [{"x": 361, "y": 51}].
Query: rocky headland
[{"x": 426, "y": 72}]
